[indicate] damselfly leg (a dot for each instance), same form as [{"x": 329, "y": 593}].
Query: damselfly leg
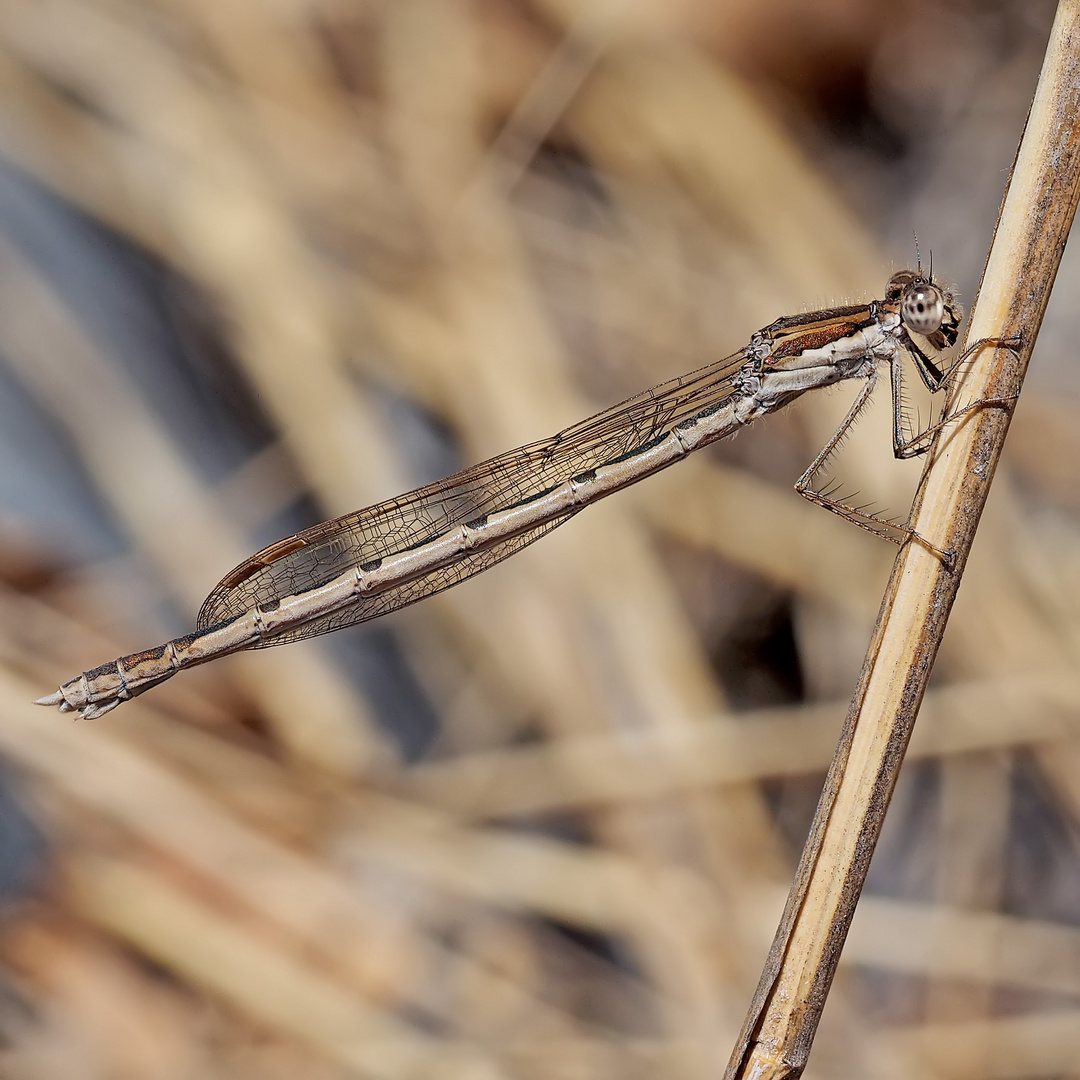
[
  {"x": 904, "y": 448},
  {"x": 935, "y": 381}
]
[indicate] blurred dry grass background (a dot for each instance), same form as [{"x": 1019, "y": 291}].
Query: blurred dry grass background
[{"x": 262, "y": 263}]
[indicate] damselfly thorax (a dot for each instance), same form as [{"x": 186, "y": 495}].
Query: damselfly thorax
[{"x": 385, "y": 557}]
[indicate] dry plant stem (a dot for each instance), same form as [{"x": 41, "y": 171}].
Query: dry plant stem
[{"x": 1032, "y": 230}]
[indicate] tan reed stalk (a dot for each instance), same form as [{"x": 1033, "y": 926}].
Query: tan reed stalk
[{"x": 1033, "y": 225}]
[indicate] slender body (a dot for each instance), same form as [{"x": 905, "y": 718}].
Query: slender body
[{"x": 382, "y": 558}]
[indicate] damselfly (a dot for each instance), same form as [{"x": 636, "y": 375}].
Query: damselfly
[{"x": 382, "y": 558}]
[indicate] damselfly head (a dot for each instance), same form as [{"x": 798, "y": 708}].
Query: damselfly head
[{"x": 926, "y": 307}]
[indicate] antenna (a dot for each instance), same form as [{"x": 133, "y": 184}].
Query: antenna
[{"x": 918, "y": 256}]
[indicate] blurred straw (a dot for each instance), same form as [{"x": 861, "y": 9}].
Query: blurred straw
[
  {"x": 139, "y": 906},
  {"x": 154, "y": 491},
  {"x": 767, "y": 743},
  {"x": 1007, "y": 1047},
  {"x": 492, "y": 219},
  {"x": 102, "y": 1010}
]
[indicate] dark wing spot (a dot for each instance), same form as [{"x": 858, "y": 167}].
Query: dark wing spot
[{"x": 263, "y": 559}]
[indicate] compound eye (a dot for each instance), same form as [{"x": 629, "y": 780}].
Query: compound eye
[{"x": 923, "y": 309}]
